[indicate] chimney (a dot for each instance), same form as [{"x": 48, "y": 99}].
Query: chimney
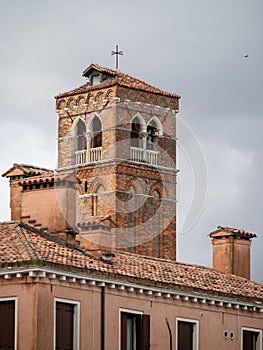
[
  {"x": 231, "y": 252},
  {"x": 96, "y": 237}
]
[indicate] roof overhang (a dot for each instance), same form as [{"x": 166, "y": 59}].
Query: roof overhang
[{"x": 37, "y": 273}]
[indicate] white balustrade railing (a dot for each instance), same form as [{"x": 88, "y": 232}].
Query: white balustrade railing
[
  {"x": 80, "y": 157},
  {"x": 152, "y": 157},
  {"x": 138, "y": 155},
  {"x": 95, "y": 155},
  {"x": 144, "y": 156}
]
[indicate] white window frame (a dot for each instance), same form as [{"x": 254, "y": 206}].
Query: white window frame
[
  {"x": 128, "y": 311},
  {"x": 76, "y": 327},
  {"x": 195, "y": 332},
  {"x": 255, "y": 330},
  {"x": 16, "y": 315}
]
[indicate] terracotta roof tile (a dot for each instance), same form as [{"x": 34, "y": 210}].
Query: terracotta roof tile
[
  {"x": 231, "y": 231},
  {"x": 117, "y": 78},
  {"x": 26, "y": 169},
  {"x": 21, "y": 244}
]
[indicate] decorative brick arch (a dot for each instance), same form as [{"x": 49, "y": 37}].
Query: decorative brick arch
[
  {"x": 95, "y": 184},
  {"x": 139, "y": 186},
  {"x": 163, "y": 102},
  {"x": 156, "y": 188},
  {"x": 89, "y": 99},
  {"x": 61, "y": 104},
  {"x": 96, "y": 188},
  {"x": 99, "y": 97},
  {"x": 109, "y": 94},
  {"x": 80, "y": 101},
  {"x": 132, "y": 96},
  {"x": 71, "y": 102}
]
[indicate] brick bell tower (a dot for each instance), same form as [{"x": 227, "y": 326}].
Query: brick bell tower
[{"x": 117, "y": 136}]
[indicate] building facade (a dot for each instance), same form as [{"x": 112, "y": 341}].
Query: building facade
[{"x": 88, "y": 260}]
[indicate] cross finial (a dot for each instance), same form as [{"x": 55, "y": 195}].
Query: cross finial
[{"x": 117, "y": 53}]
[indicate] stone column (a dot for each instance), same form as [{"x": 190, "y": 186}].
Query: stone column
[{"x": 88, "y": 139}]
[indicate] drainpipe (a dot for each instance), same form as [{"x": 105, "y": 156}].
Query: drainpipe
[
  {"x": 102, "y": 318},
  {"x": 170, "y": 333}
]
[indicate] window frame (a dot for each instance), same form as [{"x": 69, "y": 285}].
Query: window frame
[
  {"x": 76, "y": 321},
  {"x": 255, "y": 330},
  {"x": 195, "y": 331},
  {"x": 15, "y": 299},
  {"x": 76, "y": 135},
  {"x": 127, "y": 311}
]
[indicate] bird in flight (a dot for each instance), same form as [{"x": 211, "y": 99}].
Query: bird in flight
[{"x": 246, "y": 56}]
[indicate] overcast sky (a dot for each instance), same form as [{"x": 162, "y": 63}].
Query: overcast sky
[{"x": 194, "y": 48}]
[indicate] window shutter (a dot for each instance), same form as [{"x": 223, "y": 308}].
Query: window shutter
[
  {"x": 123, "y": 330},
  {"x": 185, "y": 335},
  {"x": 64, "y": 326},
  {"x": 145, "y": 332},
  {"x": 7, "y": 325}
]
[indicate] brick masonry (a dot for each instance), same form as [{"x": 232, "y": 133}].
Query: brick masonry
[{"x": 139, "y": 198}]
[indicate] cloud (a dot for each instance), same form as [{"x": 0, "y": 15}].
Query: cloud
[{"x": 188, "y": 47}]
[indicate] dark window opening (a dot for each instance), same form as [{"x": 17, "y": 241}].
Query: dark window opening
[
  {"x": 185, "y": 336},
  {"x": 86, "y": 187},
  {"x": 7, "y": 324},
  {"x": 135, "y": 331},
  {"x": 64, "y": 326},
  {"x": 96, "y": 140},
  {"x": 152, "y": 132},
  {"x": 80, "y": 135},
  {"x": 251, "y": 340},
  {"x": 95, "y": 80},
  {"x": 136, "y": 133}
]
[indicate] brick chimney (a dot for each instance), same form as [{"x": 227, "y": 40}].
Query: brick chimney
[
  {"x": 96, "y": 236},
  {"x": 231, "y": 253}
]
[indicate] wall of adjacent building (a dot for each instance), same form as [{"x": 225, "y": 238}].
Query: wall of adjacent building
[{"x": 35, "y": 315}]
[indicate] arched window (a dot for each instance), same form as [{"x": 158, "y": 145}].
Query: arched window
[
  {"x": 96, "y": 128},
  {"x": 153, "y": 130},
  {"x": 136, "y": 132},
  {"x": 81, "y": 142},
  {"x": 98, "y": 205}
]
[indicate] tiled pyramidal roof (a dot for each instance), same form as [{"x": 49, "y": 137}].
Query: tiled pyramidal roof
[
  {"x": 23, "y": 245},
  {"x": 116, "y": 77}
]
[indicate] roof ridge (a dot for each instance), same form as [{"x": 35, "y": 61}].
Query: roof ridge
[
  {"x": 116, "y": 77},
  {"x": 26, "y": 243},
  {"x": 55, "y": 239},
  {"x": 30, "y": 166}
]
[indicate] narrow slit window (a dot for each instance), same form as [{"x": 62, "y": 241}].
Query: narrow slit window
[
  {"x": 80, "y": 135},
  {"x": 96, "y": 140}
]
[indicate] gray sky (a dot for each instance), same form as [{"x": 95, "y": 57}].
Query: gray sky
[{"x": 195, "y": 48}]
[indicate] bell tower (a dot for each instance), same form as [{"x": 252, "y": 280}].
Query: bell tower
[{"x": 117, "y": 135}]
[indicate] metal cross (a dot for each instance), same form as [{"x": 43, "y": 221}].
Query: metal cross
[{"x": 117, "y": 53}]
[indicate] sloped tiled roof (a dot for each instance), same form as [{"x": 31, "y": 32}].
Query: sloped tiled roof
[
  {"x": 26, "y": 169},
  {"x": 21, "y": 244},
  {"x": 231, "y": 231},
  {"x": 118, "y": 78}
]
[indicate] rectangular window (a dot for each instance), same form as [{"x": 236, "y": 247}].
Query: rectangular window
[
  {"x": 95, "y": 80},
  {"x": 66, "y": 325},
  {"x": 187, "y": 334},
  {"x": 7, "y": 324},
  {"x": 135, "y": 331},
  {"x": 251, "y": 339}
]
